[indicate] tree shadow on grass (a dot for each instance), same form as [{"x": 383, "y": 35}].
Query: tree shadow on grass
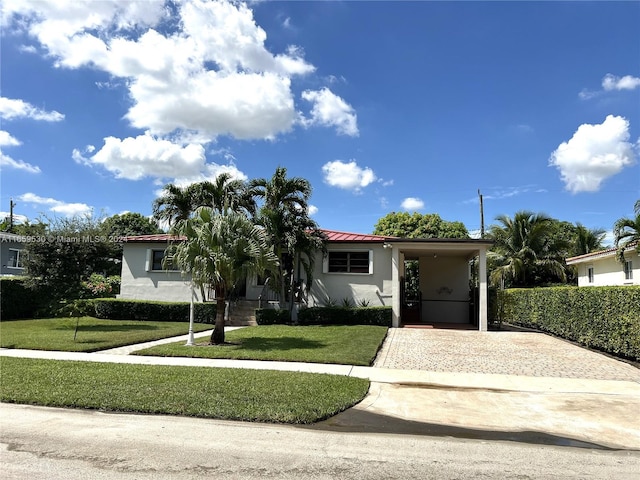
[
  {"x": 109, "y": 328},
  {"x": 263, "y": 344}
]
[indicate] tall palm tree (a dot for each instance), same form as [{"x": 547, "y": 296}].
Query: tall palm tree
[
  {"x": 627, "y": 233},
  {"x": 284, "y": 216},
  {"x": 225, "y": 193},
  {"x": 175, "y": 204},
  {"x": 523, "y": 249},
  {"x": 588, "y": 240},
  {"x": 220, "y": 250}
]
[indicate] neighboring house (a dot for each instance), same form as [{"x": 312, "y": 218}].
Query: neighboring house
[
  {"x": 603, "y": 269},
  {"x": 358, "y": 268},
  {"x": 11, "y": 254}
]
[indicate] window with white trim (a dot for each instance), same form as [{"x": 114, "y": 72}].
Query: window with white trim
[
  {"x": 590, "y": 274},
  {"x": 15, "y": 258},
  {"x": 343, "y": 261},
  {"x": 155, "y": 259},
  {"x": 628, "y": 270}
]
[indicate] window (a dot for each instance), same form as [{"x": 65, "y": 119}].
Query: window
[
  {"x": 15, "y": 258},
  {"x": 628, "y": 270},
  {"x": 349, "y": 262},
  {"x": 155, "y": 261},
  {"x": 590, "y": 274}
]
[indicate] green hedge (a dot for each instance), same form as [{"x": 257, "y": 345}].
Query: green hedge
[
  {"x": 603, "y": 318},
  {"x": 121, "y": 309},
  {"x": 328, "y": 316},
  {"x": 19, "y": 301}
]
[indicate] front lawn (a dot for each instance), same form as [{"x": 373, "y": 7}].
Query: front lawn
[
  {"x": 348, "y": 345},
  {"x": 232, "y": 394},
  {"x": 93, "y": 334}
]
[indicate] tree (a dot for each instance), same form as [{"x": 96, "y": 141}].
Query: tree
[
  {"x": 285, "y": 218},
  {"x": 128, "y": 225},
  {"x": 175, "y": 204},
  {"x": 416, "y": 225},
  {"x": 524, "y": 252},
  {"x": 223, "y": 194},
  {"x": 626, "y": 232},
  {"x": 219, "y": 251},
  {"x": 587, "y": 240}
]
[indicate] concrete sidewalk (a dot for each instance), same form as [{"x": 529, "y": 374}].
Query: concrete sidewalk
[{"x": 560, "y": 411}]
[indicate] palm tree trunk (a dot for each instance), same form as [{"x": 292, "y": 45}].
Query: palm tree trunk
[{"x": 217, "y": 336}]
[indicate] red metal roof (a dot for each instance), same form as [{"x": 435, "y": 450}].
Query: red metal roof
[
  {"x": 335, "y": 236},
  {"x": 161, "y": 237}
]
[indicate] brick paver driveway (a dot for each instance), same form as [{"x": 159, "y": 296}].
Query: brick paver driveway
[{"x": 502, "y": 352}]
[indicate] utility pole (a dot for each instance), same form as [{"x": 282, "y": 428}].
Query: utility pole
[
  {"x": 481, "y": 215},
  {"x": 11, "y": 205}
]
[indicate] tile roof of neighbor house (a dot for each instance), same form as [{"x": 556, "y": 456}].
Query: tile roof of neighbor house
[
  {"x": 332, "y": 236},
  {"x": 160, "y": 237},
  {"x": 609, "y": 252}
]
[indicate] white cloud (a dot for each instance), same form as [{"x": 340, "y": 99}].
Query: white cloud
[
  {"x": 312, "y": 210},
  {"x": 593, "y": 154},
  {"x": 628, "y": 82},
  {"x": 57, "y": 206},
  {"x": 332, "y": 111},
  {"x": 210, "y": 173},
  {"x": 146, "y": 156},
  {"x": 7, "y": 140},
  {"x": 348, "y": 176},
  {"x": 14, "y": 108},
  {"x": 212, "y": 76},
  {"x": 412, "y": 203}
]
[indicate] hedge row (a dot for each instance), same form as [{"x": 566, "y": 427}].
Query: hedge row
[
  {"x": 18, "y": 301},
  {"x": 328, "y": 316},
  {"x": 121, "y": 309},
  {"x": 603, "y": 318}
]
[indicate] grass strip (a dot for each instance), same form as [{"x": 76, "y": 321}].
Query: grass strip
[
  {"x": 231, "y": 394},
  {"x": 93, "y": 334},
  {"x": 341, "y": 344}
]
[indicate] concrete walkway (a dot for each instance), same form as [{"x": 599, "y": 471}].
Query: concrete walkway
[{"x": 524, "y": 387}]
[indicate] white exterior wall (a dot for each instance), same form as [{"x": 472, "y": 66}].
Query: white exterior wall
[
  {"x": 607, "y": 271},
  {"x": 137, "y": 282},
  {"x": 373, "y": 287},
  {"x": 444, "y": 282}
]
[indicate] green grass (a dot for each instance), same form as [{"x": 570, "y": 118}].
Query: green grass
[
  {"x": 232, "y": 394},
  {"x": 93, "y": 334},
  {"x": 348, "y": 345}
]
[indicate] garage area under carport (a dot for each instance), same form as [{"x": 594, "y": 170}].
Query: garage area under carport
[{"x": 452, "y": 282}]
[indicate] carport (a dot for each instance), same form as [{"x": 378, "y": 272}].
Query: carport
[{"x": 445, "y": 275}]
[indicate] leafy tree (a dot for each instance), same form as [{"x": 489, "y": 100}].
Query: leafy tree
[
  {"x": 627, "y": 232},
  {"x": 285, "y": 218},
  {"x": 70, "y": 251},
  {"x": 524, "y": 252},
  {"x": 416, "y": 225},
  {"x": 26, "y": 229},
  {"x": 219, "y": 251},
  {"x": 129, "y": 224}
]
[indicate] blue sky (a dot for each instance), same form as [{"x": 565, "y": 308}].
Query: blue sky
[{"x": 382, "y": 106}]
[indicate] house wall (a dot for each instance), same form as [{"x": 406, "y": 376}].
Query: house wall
[
  {"x": 139, "y": 283},
  {"x": 444, "y": 283},
  {"x": 607, "y": 271},
  {"x": 5, "y": 246},
  {"x": 374, "y": 287}
]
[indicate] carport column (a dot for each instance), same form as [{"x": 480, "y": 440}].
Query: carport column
[
  {"x": 395, "y": 287},
  {"x": 482, "y": 278}
]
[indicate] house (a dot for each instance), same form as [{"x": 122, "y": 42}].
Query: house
[
  {"x": 357, "y": 269},
  {"x": 603, "y": 269},
  {"x": 11, "y": 251}
]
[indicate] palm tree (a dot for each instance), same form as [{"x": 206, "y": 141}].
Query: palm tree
[
  {"x": 218, "y": 251},
  {"x": 284, "y": 216},
  {"x": 225, "y": 193},
  {"x": 524, "y": 249},
  {"x": 627, "y": 233},
  {"x": 588, "y": 240},
  {"x": 175, "y": 204}
]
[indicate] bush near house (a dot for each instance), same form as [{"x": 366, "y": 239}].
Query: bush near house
[
  {"x": 328, "y": 316},
  {"x": 19, "y": 301},
  {"x": 121, "y": 309},
  {"x": 603, "y": 318}
]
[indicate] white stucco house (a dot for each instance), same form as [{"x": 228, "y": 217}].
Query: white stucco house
[
  {"x": 360, "y": 268},
  {"x": 603, "y": 269},
  {"x": 11, "y": 254}
]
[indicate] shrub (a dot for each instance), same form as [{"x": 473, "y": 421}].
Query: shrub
[
  {"x": 328, "y": 316},
  {"x": 20, "y": 301},
  {"x": 121, "y": 309},
  {"x": 100, "y": 286},
  {"x": 604, "y": 318}
]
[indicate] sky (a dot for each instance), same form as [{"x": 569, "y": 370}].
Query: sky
[{"x": 383, "y": 106}]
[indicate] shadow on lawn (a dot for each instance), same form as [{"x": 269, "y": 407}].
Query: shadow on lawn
[
  {"x": 109, "y": 328},
  {"x": 281, "y": 343}
]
